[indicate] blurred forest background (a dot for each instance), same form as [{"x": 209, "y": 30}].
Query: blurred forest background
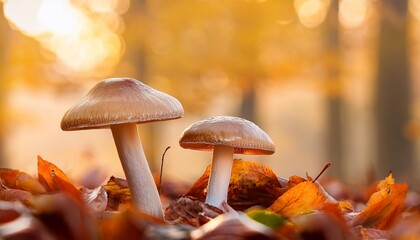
[{"x": 329, "y": 80}]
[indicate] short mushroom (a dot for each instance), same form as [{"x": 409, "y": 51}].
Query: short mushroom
[
  {"x": 119, "y": 104},
  {"x": 225, "y": 135}
]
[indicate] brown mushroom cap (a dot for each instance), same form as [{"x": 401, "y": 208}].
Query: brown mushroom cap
[
  {"x": 244, "y": 136},
  {"x": 119, "y": 101}
]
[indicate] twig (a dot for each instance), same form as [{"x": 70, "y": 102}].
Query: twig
[
  {"x": 161, "y": 169},
  {"x": 323, "y": 170}
]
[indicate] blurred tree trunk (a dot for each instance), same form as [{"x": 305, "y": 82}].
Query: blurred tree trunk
[
  {"x": 136, "y": 51},
  {"x": 393, "y": 91},
  {"x": 334, "y": 129},
  {"x": 3, "y": 55},
  {"x": 247, "y": 110}
]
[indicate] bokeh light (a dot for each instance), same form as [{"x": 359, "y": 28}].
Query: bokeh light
[
  {"x": 353, "y": 13},
  {"x": 414, "y": 8},
  {"x": 311, "y": 13},
  {"x": 83, "y": 36}
]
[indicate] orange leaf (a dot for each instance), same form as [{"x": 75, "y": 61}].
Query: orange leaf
[
  {"x": 384, "y": 206},
  {"x": 132, "y": 225},
  {"x": 20, "y": 180},
  {"x": 56, "y": 180},
  {"x": 300, "y": 199},
  {"x": 251, "y": 184},
  {"x": 8, "y": 177},
  {"x": 26, "y": 182}
]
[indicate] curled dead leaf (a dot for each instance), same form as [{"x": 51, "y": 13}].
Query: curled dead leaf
[
  {"x": 95, "y": 199},
  {"x": 251, "y": 184},
  {"x": 190, "y": 211},
  {"x": 64, "y": 217},
  {"x": 300, "y": 199},
  {"x": 54, "y": 179},
  {"x": 233, "y": 225},
  {"x": 8, "y": 177},
  {"x": 136, "y": 225},
  {"x": 26, "y": 182},
  {"x": 119, "y": 196},
  {"x": 384, "y": 206},
  {"x": 20, "y": 180}
]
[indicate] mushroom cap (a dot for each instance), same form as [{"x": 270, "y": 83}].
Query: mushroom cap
[
  {"x": 244, "y": 136},
  {"x": 120, "y": 101}
]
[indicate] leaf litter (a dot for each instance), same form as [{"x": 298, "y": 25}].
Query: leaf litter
[{"x": 260, "y": 205}]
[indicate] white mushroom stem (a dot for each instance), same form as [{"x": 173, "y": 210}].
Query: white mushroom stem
[
  {"x": 221, "y": 168},
  {"x": 140, "y": 181}
]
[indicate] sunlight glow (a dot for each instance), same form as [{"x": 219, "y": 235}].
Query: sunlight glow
[
  {"x": 67, "y": 20},
  {"x": 353, "y": 13},
  {"x": 414, "y": 8},
  {"x": 311, "y": 13},
  {"x": 83, "y": 35}
]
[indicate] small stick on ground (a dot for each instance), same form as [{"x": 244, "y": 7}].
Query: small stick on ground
[
  {"x": 161, "y": 168},
  {"x": 323, "y": 170}
]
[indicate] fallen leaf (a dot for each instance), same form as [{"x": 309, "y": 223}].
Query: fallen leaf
[
  {"x": 17, "y": 222},
  {"x": 55, "y": 179},
  {"x": 128, "y": 225},
  {"x": 407, "y": 227},
  {"x": 371, "y": 233},
  {"x": 119, "y": 196},
  {"x": 95, "y": 200},
  {"x": 233, "y": 225},
  {"x": 64, "y": 216},
  {"x": 300, "y": 199},
  {"x": 251, "y": 184},
  {"x": 384, "y": 206},
  {"x": 190, "y": 211},
  {"x": 8, "y": 177},
  {"x": 12, "y": 195},
  {"x": 26, "y": 182},
  {"x": 266, "y": 217},
  {"x": 328, "y": 223},
  {"x": 20, "y": 180},
  {"x": 47, "y": 172}
]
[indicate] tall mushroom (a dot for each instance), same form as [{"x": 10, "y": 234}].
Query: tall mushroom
[
  {"x": 225, "y": 135},
  {"x": 119, "y": 104}
]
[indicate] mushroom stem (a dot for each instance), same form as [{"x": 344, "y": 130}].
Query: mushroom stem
[
  {"x": 140, "y": 181},
  {"x": 221, "y": 169}
]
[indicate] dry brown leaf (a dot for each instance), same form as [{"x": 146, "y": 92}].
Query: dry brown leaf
[
  {"x": 251, "y": 184},
  {"x": 327, "y": 223},
  {"x": 95, "y": 200},
  {"x": 64, "y": 216},
  {"x": 233, "y": 225},
  {"x": 384, "y": 206},
  {"x": 190, "y": 211},
  {"x": 119, "y": 196}
]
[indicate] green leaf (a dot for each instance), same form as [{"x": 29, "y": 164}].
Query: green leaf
[{"x": 268, "y": 218}]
